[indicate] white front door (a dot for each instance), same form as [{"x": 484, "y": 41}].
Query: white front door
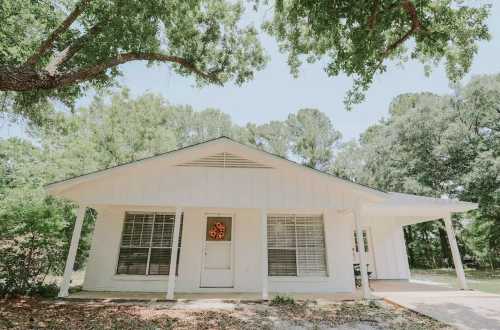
[
  {"x": 217, "y": 266},
  {"x": 370, "y": 260}
]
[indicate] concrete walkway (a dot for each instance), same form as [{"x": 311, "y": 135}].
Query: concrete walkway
[{"x": 462, "y": 309}]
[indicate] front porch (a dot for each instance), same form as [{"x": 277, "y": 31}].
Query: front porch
[{"x": 379, "y": 288}]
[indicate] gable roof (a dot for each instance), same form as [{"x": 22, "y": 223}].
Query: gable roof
[
  {"x": 65, "y": 183},
  {"x": 386, "y": 203}
]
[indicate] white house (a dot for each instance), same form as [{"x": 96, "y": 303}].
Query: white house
[{"x": 225, "y": 217}]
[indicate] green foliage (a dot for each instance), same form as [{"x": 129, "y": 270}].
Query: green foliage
[
  {"x": 439, "y": 145},
  {"x": 312, "y": 137},
  {"x": 57, "y": 50},
  {"x": 199, "y": 38},
  {"x": 35, "y": 230},
  {"x": 33, "y": 240},
  {"x": 282, "y": 300},
  {"x": 358, "y": 39}
]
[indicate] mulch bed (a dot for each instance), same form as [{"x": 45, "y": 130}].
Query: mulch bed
[{"x": 33, "y": 313}]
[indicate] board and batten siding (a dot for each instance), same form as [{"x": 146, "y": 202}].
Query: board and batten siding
[
  {"x": 100, "y": 273},
  {"x": 153, "y": 184},
  {"x": 389, "y": 249}
]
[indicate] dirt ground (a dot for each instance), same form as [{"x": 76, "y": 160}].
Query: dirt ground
[{"x": 31, "y": 313}]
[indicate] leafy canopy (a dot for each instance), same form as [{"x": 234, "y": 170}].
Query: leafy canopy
[
  {"x": 59, "y": 49},
  {"x": 358, "y": 37}
]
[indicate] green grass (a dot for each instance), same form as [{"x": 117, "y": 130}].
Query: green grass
[{"x": 481, "y": 280}]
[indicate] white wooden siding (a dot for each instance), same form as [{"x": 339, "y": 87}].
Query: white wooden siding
[{"x": 213, "y": 187}]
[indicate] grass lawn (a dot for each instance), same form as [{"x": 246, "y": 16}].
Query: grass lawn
[
  {"x": 487, "y": 281},
  {"x": 31, "y": 313}
]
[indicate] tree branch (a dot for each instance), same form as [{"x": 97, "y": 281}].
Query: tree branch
[
  {"x": 372, "y": 19},
  {"x": 47, "y": 43},
  {"x": 416, "y": 25},
  {"x": 67, "y": 53},
  {"x": 93, "y": 71},
  {"x": 27, "y": 78}
]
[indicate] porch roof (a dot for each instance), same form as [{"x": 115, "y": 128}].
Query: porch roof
[{"x": 412, "y": 208}]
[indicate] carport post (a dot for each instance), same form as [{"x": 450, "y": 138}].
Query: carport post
[
  {"x": 73, "y": 248},
  {"x": 457, "y": 261},
  {"x": 361, "y": 252},
  {"x": 263, "y": 234},
  {"x": 173, "y": 256}
]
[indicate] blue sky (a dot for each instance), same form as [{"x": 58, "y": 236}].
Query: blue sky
[{"x": 274, "y": 93}]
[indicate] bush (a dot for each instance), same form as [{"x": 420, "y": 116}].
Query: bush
[
  {"x": 282, "y": 300},
  {"x": 34, "y": 242},
  {"x": 40, "y": 289}
]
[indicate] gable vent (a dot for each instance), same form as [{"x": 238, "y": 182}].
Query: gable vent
[{"x": 224, "y": 159}]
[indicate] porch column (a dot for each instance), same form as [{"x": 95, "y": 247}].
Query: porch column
[
  {"x": 457, "y": 261},
  {"x": 70, "y": 260},
  {"x": 361, "y": 253},
  {"x": 263, "y": 234},
  {"x": 173, "y": 256}
]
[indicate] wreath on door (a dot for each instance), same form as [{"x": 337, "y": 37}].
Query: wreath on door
[{"x": 218, "y": 231}]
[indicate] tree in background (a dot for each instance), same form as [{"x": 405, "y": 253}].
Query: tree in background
[
  {"x": 440, "y": 145},
  {"x": 35, "y": 230},
  {"x": 312, "y": 137},
  {"x": 59, "y": 49},
  {"x": 273, "y": 137}
]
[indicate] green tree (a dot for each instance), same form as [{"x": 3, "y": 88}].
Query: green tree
[
  {"x": 273, "y": 137},
  {"x": 359, "y": 38},
  {"x": 440, "y": 145},
  {"x": 35, "y": 230},
  {"x": 312, "y": 137},
  {"x": 58, "y": 49}
]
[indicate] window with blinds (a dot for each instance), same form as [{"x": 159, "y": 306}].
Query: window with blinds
[
  {"x": 146, "y": 245},
  {"x": 296, "y": 245}
]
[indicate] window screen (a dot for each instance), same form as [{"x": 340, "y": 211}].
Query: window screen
[
  {"x": 296, "y": 245},
  {"x": 146, "y": 245}
]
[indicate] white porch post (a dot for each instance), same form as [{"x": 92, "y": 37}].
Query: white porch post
[
  {"x": 173, "y": 256},
  {"x": 457, "y": 261},
  {"x": 263, "y": 234},
  {"x": 70, "y": 260},
  {"x": 361, "y": 253}
]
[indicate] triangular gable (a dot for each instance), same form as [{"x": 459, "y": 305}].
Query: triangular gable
[{"x": 213, "y": 151}]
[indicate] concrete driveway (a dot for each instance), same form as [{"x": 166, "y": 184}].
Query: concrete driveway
[{"x": 462, "y": 309}]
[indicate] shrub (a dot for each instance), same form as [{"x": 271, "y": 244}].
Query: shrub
[
  {"x": 282, "y": 300},
  {"x": 33, "y": 242}
]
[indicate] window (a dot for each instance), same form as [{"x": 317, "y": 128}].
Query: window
[
  {"x": 296, "y": 245},
  {"x": 146, "y": 244}
]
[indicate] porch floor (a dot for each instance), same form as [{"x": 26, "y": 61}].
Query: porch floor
[{"x": 380, "y": 289}]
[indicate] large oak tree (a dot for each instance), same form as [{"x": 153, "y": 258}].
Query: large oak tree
[{"x": 58, "y": 49}]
